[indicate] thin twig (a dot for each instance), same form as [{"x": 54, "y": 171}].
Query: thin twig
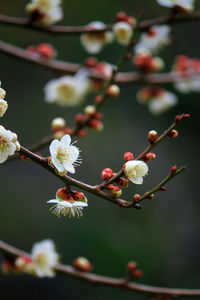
[{"x": 13, "y": 252}]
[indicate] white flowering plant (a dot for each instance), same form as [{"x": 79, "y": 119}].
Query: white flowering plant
[{"x": 140, "y": 41}]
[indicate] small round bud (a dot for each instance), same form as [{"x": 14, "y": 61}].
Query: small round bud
[
  {"x": 149, "y": 156},
  {"x": 57, "y": 124},
  {"x": 115, "y": 191},
  {"x": 90, "y": 109},
  {"x": 97, "y": 115},
  {"x": 107, "y": 173},
  {"x": 136, "y": 198},
  {"x": 152, "y": 136},
  {"x": 162, "y": 188},
  {"x": 177, "y": 118},
  {"x": 131, "y": 266},
  {"x": 99, "y": 99},
  {"x": 79, "y": 118},
  {"x": 150, "y": 196},
  {"x": 113, "y": 91},
  {"x": 137, "y": 273},
  {"x": 46, "y": 50},
  {"x": 173, "y": 170},
  {"x": 81, "y": 133},
  {"x": 173, "y": 133},
  {"x": 91, "y": 62},
  {"x": 186, "y": 116},
  {"x": 157, "y": 64},
  {"x": 96, "y": 125},
  {"x": 128, "y": 156},
  {"x": 122, "y": 182},
  {"x": 82, "y": 264},
  {"x": 68, "y": 130}
]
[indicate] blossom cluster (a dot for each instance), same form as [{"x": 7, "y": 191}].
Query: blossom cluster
[
  {"x": 45, "y": 12},
  {"x": 3, "y": 102},
  {"x": 42, "y": 260}
]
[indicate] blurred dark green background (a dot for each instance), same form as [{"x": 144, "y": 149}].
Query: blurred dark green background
[{"x": 163, "y": 237}]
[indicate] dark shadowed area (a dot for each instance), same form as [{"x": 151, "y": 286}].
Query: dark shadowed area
[{"x": 163, "y": 237}]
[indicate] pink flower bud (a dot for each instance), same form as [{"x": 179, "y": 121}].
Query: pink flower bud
[
  {"x": 82, "y": 264},
  {"x": 149, "y": 156},
  {"x": 122, "y": 182},
  {"x": 115, "y": 191},
  {"x": 113, "y": 91},
  {"x": 173, "y": 133},
  {"x": 107, "y": 174},
  {"x": 136, "y": 198},
  {"x": 128, "y": 156},
  {"x": 46, "y": 50},
  {"x": 96, "y": 125},
  {"x": 131, "y": 266},
  {"x": 152, "y": 136},
  {"x": 81, "y": 133},
  {"x": 173, "y": 170},
  {"x": 137, "y": 273}
]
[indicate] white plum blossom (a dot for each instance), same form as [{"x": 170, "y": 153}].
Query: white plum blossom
[
  {"x": 123, "y": 32},
  {"x": 63, "y": 155},
  {"x": 162, "y": 103},
  {"x": 188, "y": 85},
  {"x": 67, "y": 90},
  {"x": 135, "y": 170},
  {"x": 8, "y": 144},
  {"x": 65, "y": 204},
  {"x": 48, "y": 11},
  {"x": 44, "y": 258},
  {"x": 3, "y": 103},
  {"x": 94, "y": 42},
  {"x": 185, "y": 4},
  {"x": 155, "y": 39}
]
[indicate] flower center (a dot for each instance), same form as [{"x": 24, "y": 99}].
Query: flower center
[
  {"x": 3, "y": 142},
  {"x": 41, "y": 259},
  {"x": 66, "y": 92}
]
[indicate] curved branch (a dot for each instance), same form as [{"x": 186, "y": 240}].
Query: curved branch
[
  {"x": 72, "y": 68},
  {"x": 13, "y": 252},
  {"x": 77, "y": 30}
]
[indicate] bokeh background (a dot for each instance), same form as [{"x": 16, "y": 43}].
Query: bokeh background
[{"x": 163, "y": 237}]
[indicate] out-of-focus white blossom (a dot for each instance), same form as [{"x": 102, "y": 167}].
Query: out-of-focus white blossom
[
  {"x": 67, "y": 90},
  {"x": 155, "y": 39},
  {"x": 188, "y": 85},
  {"x": 135, "y": 170},
  {"x": 8, "y": 144},
  {"x": 123, "y": 32},
  {"x": 63, "y": 155},
  {"x": 65, "y": 204},
  {"x": 44, "y": 258},
  {"x": 45, "y": 12},
  {"x": 3, "y": 103},
  {"x": 185, "y": 4},
  {"x": 94, "y": 42},
  {"x": 162, "y": 103}
]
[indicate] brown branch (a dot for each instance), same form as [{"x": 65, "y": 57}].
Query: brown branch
[
  {"x": 13, "y": 252},
  {"x": 77, "y": 30},
  {"x": 142, "y": 155},
  {"x": 72, "y": 68}
]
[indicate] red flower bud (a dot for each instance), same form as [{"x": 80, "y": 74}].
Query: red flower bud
[
  {"x": 46, "y": 50},
  {"x": 115, "y": 191},
  {"x": 81, "y": 133},
  {"x": 113, "y": 91},
  {"x": 107, "y": 174},
  {"x": 96, "y": 125},
  {"x": 136, "y": 198},
  {"x": 82, "y": 264},
  {"x": 99, "y": 99},
  {"x": 131, "y": 266},
  {"x": 162, "y": 188},
  {"x": 128, "y": 156},
  {"x": 149, "y": 156},
  {"x": 79, "y": 118},
  {"x": 173, "y": 170},
  {"x": 137, "y": 273},
  {"x": 91, "y": 62},
  {"x": 173, "y": 133},
  {"x": 152, "y": 136},
  {"x": 122, "y": 182}
]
